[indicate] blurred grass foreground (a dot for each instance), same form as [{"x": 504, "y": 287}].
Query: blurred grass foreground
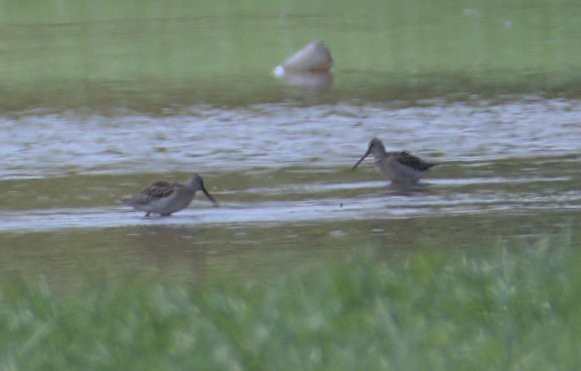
[{"x": 505, "y": 309}]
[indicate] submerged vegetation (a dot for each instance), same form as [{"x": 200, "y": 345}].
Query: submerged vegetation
[{"x": 504, "y": 308}]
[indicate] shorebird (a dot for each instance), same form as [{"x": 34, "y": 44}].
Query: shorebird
[
  {"x": 398, "y": 167},
  {"x": 165, "y": 198}
]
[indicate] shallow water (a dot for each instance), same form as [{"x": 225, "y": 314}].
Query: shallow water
[
  {"x": 278, "y": 168},
  {"x": 283, "y": 163},
  {"x": 96, "y": 108},
  {"x": 210, "y": 140}
]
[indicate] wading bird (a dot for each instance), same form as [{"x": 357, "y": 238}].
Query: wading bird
[
  {"x": 398, "y": 167},
  {"x": 165, "y": 198}
]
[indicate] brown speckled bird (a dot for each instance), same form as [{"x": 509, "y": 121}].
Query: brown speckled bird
[
  {"x": 398, "y": 167},
  {"x": 165, "y": 198}
]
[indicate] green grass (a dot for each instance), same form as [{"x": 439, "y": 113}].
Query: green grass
[
  {"x": 111, "y": 54},
  {"x": 505, "y": 309}
]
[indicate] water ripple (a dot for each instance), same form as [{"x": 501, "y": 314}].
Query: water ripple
[
  {"x": 209, "y": 139},
  {"x": 375, "y": 206}
]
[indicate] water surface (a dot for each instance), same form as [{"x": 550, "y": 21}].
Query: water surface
[{"x": 99, "y": 100}]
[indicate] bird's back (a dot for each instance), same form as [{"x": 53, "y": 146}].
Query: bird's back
[
  {"x": 407, "y": 159},
  {"x": 154, "y": 191}
]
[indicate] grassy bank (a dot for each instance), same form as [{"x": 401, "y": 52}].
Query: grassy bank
[
  {"x": 113, "y": 54},
  {"x": 510, "y": 309}
]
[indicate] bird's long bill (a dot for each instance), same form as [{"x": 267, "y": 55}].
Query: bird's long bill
[
  {"x": 361, "y": 159},
  {"x": 210, "y": 197}
]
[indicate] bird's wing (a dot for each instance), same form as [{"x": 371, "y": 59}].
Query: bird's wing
[
  {"x": 157, "y": 190},
  {"x": 412, "y": 161}
]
